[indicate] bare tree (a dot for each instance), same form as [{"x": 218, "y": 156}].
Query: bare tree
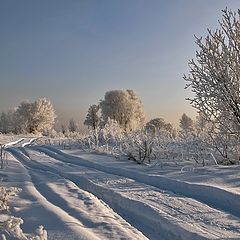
[
  {"x": 215, "y": 75},
  {"x": 215, "y": 81}
]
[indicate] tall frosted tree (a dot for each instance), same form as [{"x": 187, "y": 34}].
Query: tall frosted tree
[
  {"x": 214, "y": 76},
  {"x": 123, "y": 106},
  {"x": 35, "y": 117},
  {"x": 214, "y": 79}
]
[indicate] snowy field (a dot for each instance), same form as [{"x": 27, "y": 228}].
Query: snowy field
[{"x": 79, "y": 195}]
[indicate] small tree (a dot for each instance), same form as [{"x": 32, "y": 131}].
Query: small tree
[
  {"x": 63, "y": 129},
  {"x": 214, "y": 76},
  {"x": 92, "y": 119},
  {"x": 4, "y": 123},
  {"x": 155, "y": 125},
  {"x": 158, "y": 125},
  {"x": 186, "y": 126},
  {"x": 72, "y": 126}
]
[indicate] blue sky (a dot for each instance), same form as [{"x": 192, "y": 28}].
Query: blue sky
[{"x": 72, "y": 52}]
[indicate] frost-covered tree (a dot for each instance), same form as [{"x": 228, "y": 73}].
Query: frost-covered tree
[
  {"x": 35, "y": 117},
  {"x": 92, "y": 119},
  {"x": 72, "y": 126},
  {"x": 123, "y": 106},
  {"x": 214, "y": 76},
  {"x": 186, "y": 126}
]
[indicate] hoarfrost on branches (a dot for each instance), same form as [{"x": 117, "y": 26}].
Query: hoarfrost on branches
[
  {"x": 214, "y": 79},
  {"x": 125, "y": 107},
  {"x": 12, "y": 228},
  {"x": 35, "y": 117},
  {"x": 5, "y": 193}
]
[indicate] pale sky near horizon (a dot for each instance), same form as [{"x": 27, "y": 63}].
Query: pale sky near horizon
[{"x": 72, "y": 52}]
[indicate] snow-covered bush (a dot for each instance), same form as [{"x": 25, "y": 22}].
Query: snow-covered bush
[
  {"x": 111, "y": 135},
  {"x": 138, "y": 146},
  {"x": 41, "y": 234},
  {"x": 12, "y": 229},
  {"x": 106, "y": 139},
  {"x": 5, "y": 193}
]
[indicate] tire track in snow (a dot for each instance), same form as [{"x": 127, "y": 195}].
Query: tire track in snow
[
  {"x": 172, "y": 208},
  {"x": 105, "y": 224},
  {"x": 219, "y": 198},
  {"x": 14, "y": 143},
  {"x": 76, "y": 227}
]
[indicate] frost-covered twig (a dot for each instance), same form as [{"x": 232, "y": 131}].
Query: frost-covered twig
[
  {"x": 5, "y": 193},
  {"x": 12, "y": 228}
]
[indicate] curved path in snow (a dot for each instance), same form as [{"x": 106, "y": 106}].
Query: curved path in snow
[
  {"x": 218, "y": 198},
  {"x": 157, "y": 213},
  {"x": 81, "y": 214}
]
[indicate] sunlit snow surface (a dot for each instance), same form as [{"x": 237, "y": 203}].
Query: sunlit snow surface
[{"x": 77, "y": 195}]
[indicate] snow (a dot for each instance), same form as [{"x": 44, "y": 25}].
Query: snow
[
  {"x": 79, "y": 195},
  {"x": 13, "y": 143},
  {"x": 9, "y": 139}
]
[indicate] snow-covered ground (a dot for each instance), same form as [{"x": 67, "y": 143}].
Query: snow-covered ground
[{"x": 78, "y": 195}]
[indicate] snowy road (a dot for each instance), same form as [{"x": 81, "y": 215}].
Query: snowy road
[{"x": 88, "y": 200}]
